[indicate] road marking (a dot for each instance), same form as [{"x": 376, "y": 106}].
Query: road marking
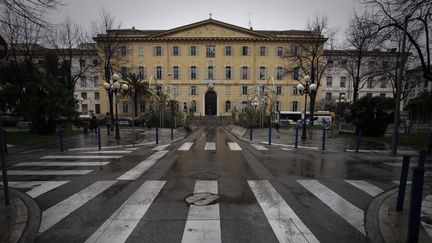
[
  {"x": 56, "y": 213},
  {"x": 58, "y": 163},
  {"x": 81, "y": 157},
  {"x": 38, "y": 187},
  {"x": 143, "y": 166},
  {"x": 210, "y": 146},
  {"x": 234, "y": 147},
  {"x": 120, "y": 225},
  {"x": 186, "y": 146},
  {"x": 286, "y": 225},
  {"x": 399, "y": 164},
  {"x": 426, "y": 213},
  {"x": 109, "y": 152},
  {"x": 366, "y": 187},
  {"x": 48, "y": 172},
  {"x": 398, "y": 182},
  {"x": 160, "y": 147},
  {"x": 203, "y": 222},
  {"x": 352, "y": 214},
  {"x": 292, "y": 146},
  {"x": 131, "y": 149},
  {"x": 259, "y": 147},
  {"x": 287, "y": 149}
]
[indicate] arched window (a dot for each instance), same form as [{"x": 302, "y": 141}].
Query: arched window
[{"x": 227, "y": 106}]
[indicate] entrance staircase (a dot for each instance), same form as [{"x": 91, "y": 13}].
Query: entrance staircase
[{"x": 212, "y": 120}]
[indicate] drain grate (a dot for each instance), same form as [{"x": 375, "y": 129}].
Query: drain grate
[{"x": 202, "y": 199}]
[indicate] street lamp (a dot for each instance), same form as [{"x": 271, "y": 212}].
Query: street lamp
[
  {"x": 114, "y": 87},
  {"x": 305, "y": 89},
  {"x": 341, "y": 102}
]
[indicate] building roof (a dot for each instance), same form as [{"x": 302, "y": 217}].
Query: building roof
[{"x": 240, "y": 33}]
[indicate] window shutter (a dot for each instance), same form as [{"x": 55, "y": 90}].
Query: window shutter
[
  {"x": 190, "y": 90},
  {"x": 190, "y": 70},
  {"x": 248, "y": 73},
  {"x": 189, "y": 50},
  {"x": 154, "y": 71},
  {"x": 179, "y": 50},
  {"x": 197, "y": 50},
  {"x": 162, "y": 72},
  {"x": 214, "y": 72},
  {"x": 154, "y": 50},
  {"x": 179, "y": 72},
  {"x": 241, "y": 90},
  {"x": 197, "y": 90},
  {"x": 197, "y": 72},
  {"x": 266, "y": 73}
]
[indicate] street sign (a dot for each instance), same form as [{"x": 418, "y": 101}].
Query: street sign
[{"x": 3, "y": 48}]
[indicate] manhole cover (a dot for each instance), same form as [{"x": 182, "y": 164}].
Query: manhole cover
[{"x": 202, "y": 199}]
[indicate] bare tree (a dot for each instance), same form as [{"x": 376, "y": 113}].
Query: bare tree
[
  {"x": 360, "y": 40},
  {"x": 393, "y": 14},
  {"x": 30, "y": 10},
  {"x": 309, "y": 56},
  {"x": 105, "y": 32}
]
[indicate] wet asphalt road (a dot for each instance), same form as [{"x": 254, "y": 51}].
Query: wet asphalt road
[{"x": 241, "y": 216}]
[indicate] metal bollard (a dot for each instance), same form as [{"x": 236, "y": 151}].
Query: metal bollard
[
  {"x": 422, "y": 158},
  {"x": 430, "y": 144},
  {"x": 99, "y": 138},
  {"x": 415, "y": 205},
  {"x": 4, "y": 167},
  {"x": 172, "y": 133},
  {"x": 61, "y": 139},
  {"x": 5, "y": 141},
  {"x": 323, "y": 139},
  {"x": 157, "y": 135},
  {"x": 296, "y": 137},
  {"x": 358, "y": 141},
  {"x": 250, "y": 134},
  {"x": 402, "y": 183},
  {"x": 395, "y": 143},
  {"x": 269, "y": 141}
]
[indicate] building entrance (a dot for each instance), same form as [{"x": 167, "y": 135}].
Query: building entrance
[{"x": 210, "y": 103}]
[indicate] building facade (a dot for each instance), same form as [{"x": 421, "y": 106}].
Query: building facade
[
  {"x": 377, "y": 72},
  {"x": 211, "y": 67}
]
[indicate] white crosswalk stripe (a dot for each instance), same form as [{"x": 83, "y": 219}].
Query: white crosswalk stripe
[
  {"x": 56, "y": 213},
  {"x": 352, "y": 214},
  {"x": 234, "y": 146},
  {"x": 161, "y": 147},
  {"x": 37, "y": 187},
  {"x": 203, "y": 222},
  {"x": 120, "y": 225},
  {"x": 186, "y": 146},
  {"x": 210, "y": 146},
  {"x": 58, "y": 163},
  {"x": 48, "y": 172},
  {"x": 259, "y": 147},
  {"x": 81, "y": 157},
  {"x": 143, "y": 166},
  {"x": 366, "y": 187},
  {"x": 108, "y": 152},
  {"x": 286, "y": 225}
]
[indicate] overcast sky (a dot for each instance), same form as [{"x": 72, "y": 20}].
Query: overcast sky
[{"x": 167, "y": 14}]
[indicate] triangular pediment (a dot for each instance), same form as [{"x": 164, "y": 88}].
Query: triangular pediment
[{"x": 209, "y": 29}]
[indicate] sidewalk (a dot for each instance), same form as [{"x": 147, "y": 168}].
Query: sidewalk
[{"x": 19, "y": 221}]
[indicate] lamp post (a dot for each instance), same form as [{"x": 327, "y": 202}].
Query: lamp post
[
  {"x": 341, "y": 102},
  {"x": 305, "y": 89},
  {"x": 114, "y": 87}
]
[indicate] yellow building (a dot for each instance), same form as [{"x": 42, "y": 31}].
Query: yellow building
[{"x": 212, "y": 66}]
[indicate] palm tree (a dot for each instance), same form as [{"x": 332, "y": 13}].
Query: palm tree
[{"x": 137, "y": 87}]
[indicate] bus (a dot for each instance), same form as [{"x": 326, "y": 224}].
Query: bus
[{"x": 294, "y": 117}]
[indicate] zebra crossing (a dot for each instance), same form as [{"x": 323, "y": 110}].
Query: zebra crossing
[{"x": 204, "y": 223}]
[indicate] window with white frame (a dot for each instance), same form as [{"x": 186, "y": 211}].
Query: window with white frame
[
  {"x": 193, "y": 72},
  {"x": 279, "y": 73},
  {"x": 296, "y": 73},
  {"x": 176, "y": 72},
  {"x": 159, "y": 71},
  {"x": 245, "y": 51},
  {"x": 262, "y": 73},
  {"x": 278, "y": 90},
  {"x": 279, "y": 51},
  {"x": 142, "y": 73},
  {"x": 97, "y": 96},
  {"x": 244, "y": 90},
  {"x": 228, "y": 70},
  {"x": 342, "y": 82},
  {"x": 96, "y": 81},
  {"x": 295, "y": 91},
  {"x": 193, "y": 90},
  {"x": 193, "y": 51},
  {"x": 295, "y": 106},
  {"x": 210, "y": 51},
  {"x": 244, "y": 73},
  {"x": 140, "y": 51},
  {"x": 262, "y": 51},
  {"x": 123, "y": 51},
  {"x": 176, "y": 51},
  {"x": 228, "y": 89},
  {"x": 210, "y": 72},
  {"x": 370, "y": 82},
  {"x": 158, "y": 51},
  {"x": 194, "y": 106},
  {"x": 329, "y": 81},
  {"x": 228, "y": 50}
]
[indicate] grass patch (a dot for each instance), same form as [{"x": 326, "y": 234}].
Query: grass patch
[
  {"x": 27, "y": 138},
  {"x": 417, "y": 141}
]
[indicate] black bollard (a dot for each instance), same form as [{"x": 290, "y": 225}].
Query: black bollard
[
  {"x": 5, "y": 141},
  {"x": 61, "y": 139},
  {"x": 358, "y": 141},
  {"x": 430, "y": 144},
  {"x": 269, "y": 141},
  {"x": 99, "y": 138},
  {"x": 402, "y": 183},
  {"x": 422, "y": 158},
  {"x": 296, "y": 137},
  {"x": 323, "y": 139},
  {"x": 172, "y": 133},
  {"x": 3, "y": 168},
  {"x": 415, "y": 205},
  {"x": 157, "y": 135},
  {"x": 250, "y": 134}
]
